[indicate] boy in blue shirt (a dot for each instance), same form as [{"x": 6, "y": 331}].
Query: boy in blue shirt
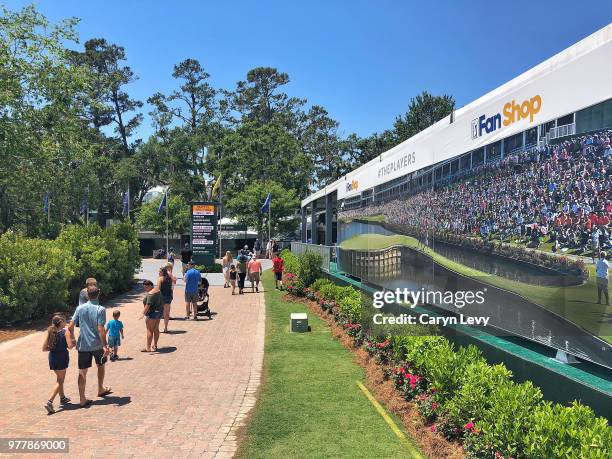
[{"x": 114, "y": 328}]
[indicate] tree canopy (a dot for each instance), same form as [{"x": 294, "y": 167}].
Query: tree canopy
[{"x": 69, "y": 130}]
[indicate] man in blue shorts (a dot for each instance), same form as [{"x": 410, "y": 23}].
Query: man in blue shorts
[
  {"x": 192, "y": 281},
  {"x": 90, "y": 318}
]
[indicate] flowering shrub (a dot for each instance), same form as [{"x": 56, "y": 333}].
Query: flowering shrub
[
  {"x": 408, "y": 383},
  {"x": 465, "y": 398},
  {"x": 380, "y": 350}
]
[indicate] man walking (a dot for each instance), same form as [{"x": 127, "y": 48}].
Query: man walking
[
  {"x": 186, "y": 254},
  {"x": 254, "y": 268},
  {"x": 91, "y": 318},
  {"x": 241, "y": 269},
  {"x": 192, "y": 282},
  {"x": 601, "y": 271}
]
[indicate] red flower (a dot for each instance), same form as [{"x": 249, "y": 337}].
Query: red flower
[{"x": 469, "y": 426}]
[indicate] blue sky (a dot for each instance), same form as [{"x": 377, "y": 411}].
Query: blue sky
[{"x": 362, "y": 60}]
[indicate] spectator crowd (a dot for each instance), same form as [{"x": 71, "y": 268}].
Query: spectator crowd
[{"x": 558, "y": 193}]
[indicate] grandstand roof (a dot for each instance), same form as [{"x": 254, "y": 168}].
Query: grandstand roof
[{"x": 582, "y": 89}]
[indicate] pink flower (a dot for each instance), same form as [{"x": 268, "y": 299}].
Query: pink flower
[
  {"x": 469, "y": 426},
  {"x": 434, "y": 406},
  {"x": 433, "y": 428}
]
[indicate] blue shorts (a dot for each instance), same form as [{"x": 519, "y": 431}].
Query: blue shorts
[
  {"x": 155, "y": 315},
  {"x": 114, "y": 341},
  {"x": 168, "y": 298}
]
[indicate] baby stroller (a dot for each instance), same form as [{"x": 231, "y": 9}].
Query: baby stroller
[{"x": 204, "y": 297}]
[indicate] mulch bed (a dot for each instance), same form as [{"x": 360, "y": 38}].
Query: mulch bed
[{"x": 432, "y": 444}]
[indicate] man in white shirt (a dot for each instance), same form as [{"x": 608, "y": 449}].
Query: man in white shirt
[{"x": 601, "y": 270}]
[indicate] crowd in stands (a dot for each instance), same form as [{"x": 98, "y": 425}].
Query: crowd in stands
[{"x": 558, "y": 193}]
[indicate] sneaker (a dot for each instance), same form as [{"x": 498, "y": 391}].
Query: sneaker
[
  {"x": 49, "y": 407},
  {"x": 186, "y": 317},
  {"x": 195, "y": 317}
]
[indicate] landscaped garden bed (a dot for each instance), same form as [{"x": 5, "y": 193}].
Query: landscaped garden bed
[{"x": 451, "y": 391}]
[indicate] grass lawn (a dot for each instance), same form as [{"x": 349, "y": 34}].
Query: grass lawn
[
  {"x": 310, "y": 405},
  {"x": 575, "y": 303}
]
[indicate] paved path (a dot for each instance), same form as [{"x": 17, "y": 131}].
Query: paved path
[{"x": 188, "y": 400}]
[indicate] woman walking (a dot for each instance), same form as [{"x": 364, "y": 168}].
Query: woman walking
[
  {"x": 226, "y": 262},
  {"x": 165, "y": 283},
  {"x": 57, "y": 343}
]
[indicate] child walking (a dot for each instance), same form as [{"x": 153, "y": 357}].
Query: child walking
[
  {"x": 232, "y": 277},
  {"x": 58, "y": 341},
  {"x": 277, "y": 268},
  {"x": 114, "y": 328}
]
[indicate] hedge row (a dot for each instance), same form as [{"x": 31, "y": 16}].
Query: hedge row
[
  {"x": 39, "y": 276},
  {"x": 460, "y": 395}
]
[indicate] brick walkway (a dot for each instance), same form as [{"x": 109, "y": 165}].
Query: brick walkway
[{"x": 186, "y": 401}]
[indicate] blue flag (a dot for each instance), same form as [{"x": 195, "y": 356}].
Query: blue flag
[
  {"x": 46, "y": 203},
  {"x": 266, "y": 205},
  {"x": 126, "y": 204},
  {"x": 162, "y": 204}
]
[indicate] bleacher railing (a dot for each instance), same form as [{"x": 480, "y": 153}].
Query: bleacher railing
[
  {"x": 562, "y": 131},
  {"x": 326, "y": 252}
]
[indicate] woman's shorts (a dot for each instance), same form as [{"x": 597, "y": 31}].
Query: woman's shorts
[
  {"x": 254, "y": 277},
  {"x": 154, "y": 315},
  {"x": 167, "y": 299},
  {"x": 114, "y": 341},
  {"x": 278, "y": 276},
  {"x": 58, "y": 361}
]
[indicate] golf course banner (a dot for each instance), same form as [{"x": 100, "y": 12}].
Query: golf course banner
[{"x": 204, "y": 232}]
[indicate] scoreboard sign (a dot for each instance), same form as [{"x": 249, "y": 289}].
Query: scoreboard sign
[{"x": 204, "y": 232}]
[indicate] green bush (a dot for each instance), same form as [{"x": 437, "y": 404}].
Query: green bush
[
  {"x": 309, "y": 268},
  {"x": 39, "y": 276},
  {"x": 506, "y": 422},
  {"x": 473, "y": 397},
  {"x": 215, "y": 268},
  {"x": 319, "y": 283},
  {"x": 34, "y": 277},
  {"x": 291, "y": 261},
  {"x": 567, "y": 432}
]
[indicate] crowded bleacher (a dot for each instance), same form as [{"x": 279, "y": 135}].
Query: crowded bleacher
[{"x": 557, "y": 194}]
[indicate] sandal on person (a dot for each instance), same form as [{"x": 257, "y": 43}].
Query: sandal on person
[
  {"x": 49, "y": 407},
  {"x": 145, "y": 350},
  {"x": 64, "y": 400},
  {"x": 87, "y": 404},
  {"x": 154, "y": 348},
  {"x": 107, "y": 391}
]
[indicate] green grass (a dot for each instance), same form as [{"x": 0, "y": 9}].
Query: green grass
[
  {"x": 575, "y": 303},
  {"x": 310, "y": 405},
  {"x": 368, "y": 218}
]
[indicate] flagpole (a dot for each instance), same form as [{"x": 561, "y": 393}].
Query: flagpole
[
  {"x": 269, "y": 220},
  {"x": 167, "y": 221}
]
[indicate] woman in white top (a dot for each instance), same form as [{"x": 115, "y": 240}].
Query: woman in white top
[{"x": 226, "y": 263}]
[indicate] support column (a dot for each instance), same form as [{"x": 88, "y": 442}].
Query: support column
[
  {"x": 524, "y": 139},
  {"x": 313, "y": 222},
  {"x": 329, "y": 216},
  {"x": 304, "y": 229},
  {"x": 484, "y": 154},
  {"x": 501, "y": 148}
]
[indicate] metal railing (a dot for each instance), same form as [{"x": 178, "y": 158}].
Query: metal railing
[
  {"x": 326, "y": 252},
  {"x": 562, "y": 131}
]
